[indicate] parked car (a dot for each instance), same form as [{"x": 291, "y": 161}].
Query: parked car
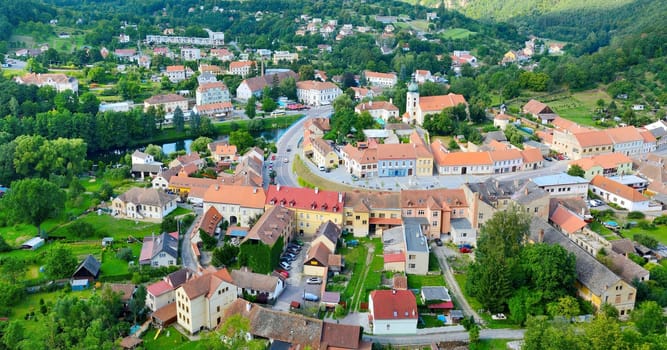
[
  {"x": 283, "y": 273},
  {"x": 438, "y": 242},
  {"x": 285, "y": 265},
  {"x": 289, "y": 149},
  {"x": 465, "y": 250},
  {"x": 286, "y": 160},
  {"x": 298, "y": 242},
  {"x": 314, "y": 280},
  {"x": 310, "y": 297}
]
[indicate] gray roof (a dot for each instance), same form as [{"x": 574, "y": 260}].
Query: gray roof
[
  {"x": 164, "y": 242},
  {"x": 535, "y": 144},
  {"x": 435, "y": 293},
  {"x": 90, "y": 264},
  {"x": 520, "y": 190},
  {"x": 626, "y": 268},
  {"x": 415, "y": 241},
  {"x": 495, "y": 135},
  {"x": 559, "y": 179},
  {"x": 590, "y": 272},
  {"x": 177, "y": 278},
  {"x": 461, "y": 224},
  {"x": 147, "y": 168},
  {"x": 330, "y": 230},
  {"x": 147, "y": 196},
  {"x": 255, "y": 281}
]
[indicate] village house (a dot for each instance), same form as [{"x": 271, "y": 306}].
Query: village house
[
  {"x": 627, "y": 140},
  {"x": 317, "y": 93},
  {"x": 168, "y": 103},
  {"x": 190, "y": 53},
  {"x": 416, "y": 107},
  {"x": 384, "y": 80},
  {"x": 178, "y": 73},
  {"x": 144, "y": 164},
  {"x": 624, "y": 196},
  {"x": 60, "y": 82},
  {"x": 255, "y": 85},
  {"x": 422, "y": 76},
  {"x": 506, "y": 160},
  {"x": 277, "y": 222},
  {"x": 371, "y": 212},
  {"x": 161, "y": 293},
  {"x": 381, "y": 110},
  {"x": 392, "y": 312},
  {"x": 595, "y": 282},
  {"x": 501, "y": 121},
  {"x": 160, "y": 250},
  {"x": 312, "y": 207},
  {"x": 539, "y": 111},
  {"x": 223, "y": 54},
  {"x": 193, "y": 188},
  {"x": 437, "y": 207},
  {"x": 188, "y": 159},
  {"x": 284, "y": 56},
  {"x": 143, "y": 203},
  {"x": 201, "y": 301},
  {"x": 324, "y": 155},
  {"x": 242, "y": 68},
  {"x": 360, "y": 161},
  {"x": 239, "y": 204},
  {"x": 563, "y": 185},
  {"x": 610, "y": 164},
  {"x": 264, "y": 288}
]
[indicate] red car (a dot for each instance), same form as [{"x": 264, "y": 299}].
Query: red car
[
  {"x": 465, "y": 250},
  {"x": 283, "y": 272},
  {"x": 273, "y": 157}
]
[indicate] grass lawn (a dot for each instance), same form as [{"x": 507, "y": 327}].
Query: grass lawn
[
  {"x": 461, "y": 280},
  {"x": 355, "y": 259},
  {"x": 109, "y": 226},
  {"x": 374, "y": 276},
  {"x": 420, "y": 24},
  {"x": 418, "y": 281},
  {"x": 578, "y": 106},
  {"x": 308, "y": 179},
  {"x": 169, "y": 338},
  {"x": 490, "y": 344},
  {"x": 659, "y": 233},
  {"x": 457, "y": 33},
  {"x": 430, "y": 321}
]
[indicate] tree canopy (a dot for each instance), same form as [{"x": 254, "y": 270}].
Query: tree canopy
[{"x": 33, "y": 201}]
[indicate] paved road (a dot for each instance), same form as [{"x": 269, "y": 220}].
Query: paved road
[
  {"x": 427, "y": 339},
  {"x": 442, "y": 253},
  {"x": 187, "y": 257},
  {"x": 290, "y": 140}
]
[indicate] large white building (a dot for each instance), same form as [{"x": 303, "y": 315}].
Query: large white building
[
  {"x": 178, "y": 73},
  {"x": 60, "y": 82},
  {"x": 378, "y": 109},
  {"x": 212, "y": 93},
  {"x": 387, "y": 80},
  {"x": 563, "y": 185},
  {"x": 317, "y": 93},
  {"x": 201, "y": 302},
  {"x": 624, "y": 196}
]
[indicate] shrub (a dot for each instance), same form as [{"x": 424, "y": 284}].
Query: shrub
[
  {"x": 125, "y": 254},
  {"x": 646, "y": 241},
  {"x": 661, "y": 220},
  {"x": 636, "y": 215}
]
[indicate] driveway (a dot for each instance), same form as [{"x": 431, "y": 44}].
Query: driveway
[{"x": 441, "y": 253}]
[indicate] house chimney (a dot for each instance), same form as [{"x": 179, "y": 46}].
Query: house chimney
[
  {"x": 370, "y": 104},
  {"x": 317, "y": 190},
  {"x": 540, "y": 236},
  {"x": 393, "y": 291},
  {"x": 340, "y": 197},
  {"x": 248, "y": 306},
  {"x": 278, "y": 187},
  {"x": 254, "y": 190},
  {"x": 217, "y": 187},
  {"x": 391, "y": 100},
  {"x": 583, "y": 211}
]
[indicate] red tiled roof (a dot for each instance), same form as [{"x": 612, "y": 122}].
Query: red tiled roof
[
  {"x": 315, "y": 85},
  {"x": 501, "y": 155},
  {"x": 624, "y": 134},
  {"x": 393, "y": 257},
  {"x": 304, "y": 198},
  {"x": 244, "y": 196},
  {"x": 606, "y": 161},
  {"x": 534, "y": 107},
  {"x": 385, "y": 221},
  {"x": 593, "y": 138},
  {"x": 158, "y": 288},
  {"x": 444, "y": 305},
  {"x": 210, "y": 221},
  {"x": 567, "y": 221},
  {"x": 531, "y": 155},
  {"x": 462, "y": 158},
  {"x": 393, "y": 305}
]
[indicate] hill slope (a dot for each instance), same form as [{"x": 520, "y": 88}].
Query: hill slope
[{"x": 503, "y": 10}]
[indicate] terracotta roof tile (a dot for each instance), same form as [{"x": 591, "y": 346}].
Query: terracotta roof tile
[
  {"x": 244, "y": 196},
  {"x": 393, "y": 305},
  {"x": 624, "y": 134},
  {"x": 438, "y": 103},
  {"x": 305, "y": 198},
  {"x": 531, "y": 155},
  {"x": 566, "y": 220},
  {"x": 618, "y": 189},
  {"x": 593, "y": 138}
]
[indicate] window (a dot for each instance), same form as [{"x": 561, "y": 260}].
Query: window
[
  {"x": 357, "y": 217},
  {"x": 536, "y": 209},
  {"x": 434, "y": 223},
  {"x": 364, "y": 222},
  {"x": 412, "y": 257},
  {"x": 481, "y": 216},
  {"x": 420, "y": 212},
  {"x": 408, "y": 212},
  {"x": 412, "y": 266},
  {"x": 435, "y": 214},
  {"x": 464, "y": 234}
]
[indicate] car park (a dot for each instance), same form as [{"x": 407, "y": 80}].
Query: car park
[{"x": 314, "y": 280}]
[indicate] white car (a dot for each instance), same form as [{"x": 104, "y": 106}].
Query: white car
[{"x": 314, "y": 280}]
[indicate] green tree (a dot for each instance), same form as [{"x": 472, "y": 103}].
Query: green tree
[
  {"x": 60, "y": 262},
  {"x": 549, "y": 269},
  {"x": 155, "y": 151},
  {"x": 208, "y": 242},
  {"x": 225, "y": 255},
  {"x": 576, "y": 170},
  {"x": 646, "y": 240},
  {"x": 306, "y": 72},
  {"x": 13, "y": 269},
  {"x": 268, "y": 104},
  {"x": 232, "y": 335},
  {"x": 566, "y": 306},
  {"x": 648, "y": 318},
  {"x": 105, "y": 192},
  {"x": 200, "y": 144},
  {"x": 251, "y": 107},
  {"x": 81, "y": 229},
  {"x": 137, "y": 304},
  {"x": 125, "y": 254},
  {"x": 179, "y": 120},
  {"x": 33, "y": 201},
  {"x": 13, "y": 335},
  {"x": 241, "y": 139}
]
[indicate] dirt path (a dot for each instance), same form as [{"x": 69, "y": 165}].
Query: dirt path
[{"x": 454, "y": 287}]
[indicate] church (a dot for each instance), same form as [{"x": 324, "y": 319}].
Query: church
[{"x": 418, "y": 107}]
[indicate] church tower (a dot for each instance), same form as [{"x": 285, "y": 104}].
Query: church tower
[{"x": 412, "y": 103}]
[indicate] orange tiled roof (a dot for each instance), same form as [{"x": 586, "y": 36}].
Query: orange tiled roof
[
  {"x": 624, "y": 134},
  {"x": 531, "y": 155},
  {"x": 393, "y": 305},
  {"x": 618, "y": 189},
  {"x": 567, "y": 221},
  {"x": 647, "y": 136},
  {"x": 509, "y": 154},
  {"x": 370, "y": 74},
  {"x": 606, "y": 161},
  {"x": 438, "y": 103},
  {"x": 213, "y": 85},
  {"x": 244, "y": 196},
  {"x": 593, "y": 138},
  {"x": 463, "y": 158},
  {"x": 315, "y": 85}
]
